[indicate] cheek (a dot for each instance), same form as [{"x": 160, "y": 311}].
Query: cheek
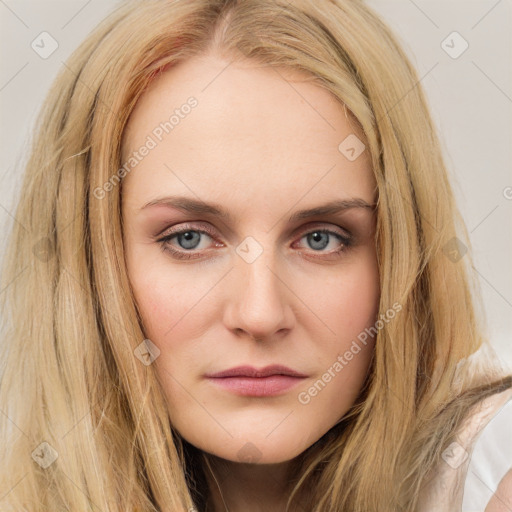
[
  {"x": 169, "y": 313},
  {"x": 350, "y": 298},
  {"x": 165, "y": 299},
  {"x": 350, "y": 308},
  {"x": 359, "y": 300}
]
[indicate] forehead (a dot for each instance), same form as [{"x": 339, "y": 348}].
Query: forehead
[{"x": 253, "y": 127}]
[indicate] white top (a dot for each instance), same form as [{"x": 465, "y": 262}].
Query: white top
[{"x": 474, "y": 465}]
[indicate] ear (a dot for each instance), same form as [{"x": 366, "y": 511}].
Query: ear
[{"x": 501, "y": 500}]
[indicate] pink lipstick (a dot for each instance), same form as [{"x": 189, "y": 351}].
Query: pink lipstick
[{"x": 249, "y": 381}]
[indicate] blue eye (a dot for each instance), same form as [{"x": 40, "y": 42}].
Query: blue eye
[
  {"x": 189, "y": 238},
  {"x": 319, "y": 239}
]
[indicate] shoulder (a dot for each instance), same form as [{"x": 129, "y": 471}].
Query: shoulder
[
  {"x": 501, "y": 500},
  {"x": 488, "y": 484},
  {"x": 470, "y": 462}
]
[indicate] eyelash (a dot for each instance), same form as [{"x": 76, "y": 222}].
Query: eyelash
[{"x": 187, "y": 255}]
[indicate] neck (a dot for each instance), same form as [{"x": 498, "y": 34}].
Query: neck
[{"x": 243, "y": 487}]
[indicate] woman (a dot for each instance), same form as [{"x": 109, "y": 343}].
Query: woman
[{"x": 187, "y": 342}]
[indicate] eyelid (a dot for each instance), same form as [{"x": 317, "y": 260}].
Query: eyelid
[
  {"x": 322, "y": 226},
  {"x": 186, "y": 227},
  {"x": 204, "y": 227}
]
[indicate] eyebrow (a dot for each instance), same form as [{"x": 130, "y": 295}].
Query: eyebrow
[{"x": 190, "y": 205}]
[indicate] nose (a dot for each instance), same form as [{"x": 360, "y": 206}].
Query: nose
[{"x": 258, "y": 303}]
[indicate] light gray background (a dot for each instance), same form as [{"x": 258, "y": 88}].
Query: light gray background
[{"x": 470, "y": 98}]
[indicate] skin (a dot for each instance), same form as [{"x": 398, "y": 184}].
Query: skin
[
  {"x": 261, "y": 143},
  {"x": 502, "y": 498}
]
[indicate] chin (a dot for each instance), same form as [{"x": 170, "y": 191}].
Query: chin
[{"x": 259, "y": 449}]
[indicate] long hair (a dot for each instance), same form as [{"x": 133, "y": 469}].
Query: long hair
[{"x": 84, "y": 424}]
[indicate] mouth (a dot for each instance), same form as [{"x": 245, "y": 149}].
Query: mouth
[
  {"x": 248, "y": 381},
  {"x": 257, "y": 386}
]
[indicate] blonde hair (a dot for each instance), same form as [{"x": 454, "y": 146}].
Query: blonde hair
[{"x": 70, "y": 377}]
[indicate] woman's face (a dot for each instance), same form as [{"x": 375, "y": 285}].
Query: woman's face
[{"x": 259, "y": 283}]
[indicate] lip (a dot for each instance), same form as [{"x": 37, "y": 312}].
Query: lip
[
  {"x": 250, "y": 371},
  {"x": 257, "y": 386},
  {"x": 249, "y": 381}
]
